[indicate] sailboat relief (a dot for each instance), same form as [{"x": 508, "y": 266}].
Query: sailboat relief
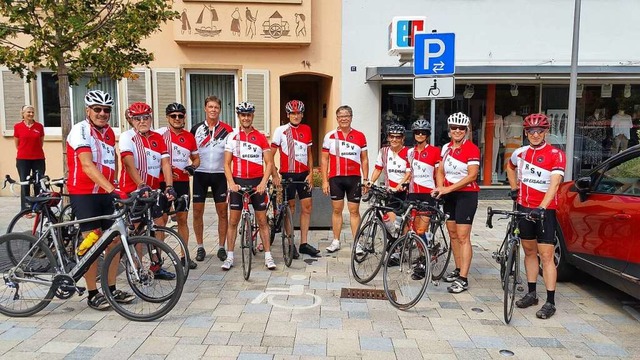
[{"x": 208, "y": 13}]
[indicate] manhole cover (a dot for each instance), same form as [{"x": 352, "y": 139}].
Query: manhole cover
[
  {"x": 349, "y": 293},
  {"x": 506, "y": 353}
]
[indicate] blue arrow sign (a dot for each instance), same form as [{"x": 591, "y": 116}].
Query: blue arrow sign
[{"x": 434, "y": 54}]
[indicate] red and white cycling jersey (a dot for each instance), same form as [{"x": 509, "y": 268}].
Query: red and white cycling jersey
[
  {"x": 180, "y": 147},
  {"x": 102, "y": 144},
  {"x": 148, "y": 152},
  {"x": 247, "y": 150},
  {"x": 344, "y": 152},
  {"x": 457, "y": 161},
  {"x": 394, "y": 165},
  {"x": 534, "y": 169},
  {"x": 211, "y": 145},
  {"x": 298, "y": 138},
  {"x": 423, "y": 168}
]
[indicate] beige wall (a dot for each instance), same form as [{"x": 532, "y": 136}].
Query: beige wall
[{"x": 322, "y": 54}]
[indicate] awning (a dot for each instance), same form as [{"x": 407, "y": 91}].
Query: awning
[{"x": 507, "y": 74}]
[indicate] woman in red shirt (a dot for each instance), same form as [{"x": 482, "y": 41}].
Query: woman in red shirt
[{"x": 29, "y": 137}]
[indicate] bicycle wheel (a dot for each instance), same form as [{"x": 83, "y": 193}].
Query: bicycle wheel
[
  {"x": 175, "y": 242},
  {"x": 160, "y": 296},
  {"x": 510, "y": 280},
  {"x": 246, "y": 245},
  {"x": 440, "y": 249},
  {"x": 288, "y": 237},
  {"x": 254, "y": 235},
  {"x": 29, "y": 223},
  {"x": 369, "y": 249},
  {"x": 367, "y": 217},
  {"x": 406, "y": 272},
  {"x": 21, "y": 294},
  {"x": 272, "y": 219}
]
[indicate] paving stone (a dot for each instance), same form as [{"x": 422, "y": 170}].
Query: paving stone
[
  {"x": 58, "y": 347},
  {"x": 82, "y": 353},
  {"x": 376, "y": 344},
  {"x": 159, "y": 345},
  {"x": 544, "y": 342},
  {"x": 608, "y": 349},
  {"x": 78, "y": 324},
  {"x": 310, "y": 349}
]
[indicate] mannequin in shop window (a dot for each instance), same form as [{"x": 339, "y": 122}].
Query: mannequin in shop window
[
  {"x": 621, "y": 124},
  {"x": 388, "y": 118},
  {"x": 594, "y": 130},
  {"x": 513, "y": 135},
  {"x": 499, "y": 138}
]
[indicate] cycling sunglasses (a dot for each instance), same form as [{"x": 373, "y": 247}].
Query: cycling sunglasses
[
  {"x": 176, "y": 116},
  {"x": 462, "y": 128},
  {"x": 98, "y": 109}
]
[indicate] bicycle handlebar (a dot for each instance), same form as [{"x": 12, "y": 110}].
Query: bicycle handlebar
[{"x": 514, "y": 213}]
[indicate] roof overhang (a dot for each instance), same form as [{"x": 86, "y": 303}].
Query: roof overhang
[{"x": 508, "y": 74}]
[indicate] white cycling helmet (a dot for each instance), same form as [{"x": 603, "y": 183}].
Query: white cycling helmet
[
  {"x": 98, "y": 97},
  {"x": 458, "y": 119}
]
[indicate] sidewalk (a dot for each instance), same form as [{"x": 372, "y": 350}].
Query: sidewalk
[{"x": 222, "y": 316}]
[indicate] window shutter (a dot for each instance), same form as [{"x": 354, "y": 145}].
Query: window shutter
[
  {"x": 138, "y": 89},
  {"x": 166, "y": 89},
  {"x": 14, "y": 93},
  {"x": 255, "y": 89}
]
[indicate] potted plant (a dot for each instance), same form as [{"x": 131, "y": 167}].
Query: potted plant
[{"x": 321, "y": 210}]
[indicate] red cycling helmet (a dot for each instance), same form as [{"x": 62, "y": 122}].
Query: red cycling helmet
[
  {"x": 294, "y": 106},
  {"x": 536, "y": 121},
  {"x": 139, "y": 108}
]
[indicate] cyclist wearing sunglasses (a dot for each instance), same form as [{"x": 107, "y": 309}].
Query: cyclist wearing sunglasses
[
  {"x": 535, "y": 172},
  {"x": 92, "y": 163},
  {"x": 184, "y": 159},
  {"x": 424, "y": 159},
  {"x": 456, "y": 181}
]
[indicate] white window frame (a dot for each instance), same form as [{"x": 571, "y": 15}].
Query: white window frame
[
  {"x": 160, "y": 111},
  {"x": 189, "y": 72},
  {"x": 124, "y": 100},
  {"x": 267, "y": 95},
  {"x": 3, "y": 114}
]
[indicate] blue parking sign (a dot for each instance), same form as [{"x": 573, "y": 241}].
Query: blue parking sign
[{"x": 434, "y": 54}]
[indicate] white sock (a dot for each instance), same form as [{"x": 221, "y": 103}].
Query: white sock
[
  {"x": 267, "y": 254},
  {"x": 200, "y": 246},
  {"x": 230, "y": 255}
]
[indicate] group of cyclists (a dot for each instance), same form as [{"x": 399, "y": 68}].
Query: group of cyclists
[{"x": 223, "y": 159}]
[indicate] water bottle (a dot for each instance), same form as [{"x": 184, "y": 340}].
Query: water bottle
[
  {"x": 398, "y": 223},
  {"x": 88, "y": 242},
  {"x": 390, "y": 225}
]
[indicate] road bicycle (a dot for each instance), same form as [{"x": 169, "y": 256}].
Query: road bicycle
[
  {"x": 34, "y": 270},
  {"x": 508, "y": 256},
  {"x": 412, "y": 261},
  {"x": 282, "y": 219},
  {"x": 248, "y": 230}
]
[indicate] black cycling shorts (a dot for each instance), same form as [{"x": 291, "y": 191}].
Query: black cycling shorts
[
  {"x": 91, "y": 205},
  {"x": 258, "y": 201},
  {"x": 543, "y": 232},
  {"x": 203, "y": 181},
  {"x": 422, "y": 197},
  {"x": 461, "y": 206},
  {"x": 349, "y": 185},
  {"x": 181, "y": 188},
  {"x": 303, "y": 191}
]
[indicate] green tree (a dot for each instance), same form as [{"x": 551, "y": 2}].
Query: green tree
[{"x": 71, "y": 37}]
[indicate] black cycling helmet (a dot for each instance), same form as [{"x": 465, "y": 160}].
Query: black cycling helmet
[
  {"x": 395, "y": 129},
  {"x": 421, "y": 124},
  {"x": 175, "y": 107}
]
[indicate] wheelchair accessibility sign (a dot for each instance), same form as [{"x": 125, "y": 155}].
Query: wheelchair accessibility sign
[
  {"x": 293, "y": 298},
  {"x": 433, "y": 88}
]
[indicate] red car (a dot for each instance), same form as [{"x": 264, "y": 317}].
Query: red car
[{"x": 599, "y": 223}]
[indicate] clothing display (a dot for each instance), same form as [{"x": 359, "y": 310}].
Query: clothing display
[
  {"x": 593, "y": 129},
  {"x": 513, "y": 135},
  {"x": 621, "y": 124},
  {"x": 558, "y": 130},
  {"x": 499, "y": 137}
]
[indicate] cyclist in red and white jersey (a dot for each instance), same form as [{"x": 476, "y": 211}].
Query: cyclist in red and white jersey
[
  {"x": 145, "y": 161},
  {"x": 92, "y": 163},
  {"x": 248, "y": 162},
  {"x": 184, "y": 158},
  {"x": 211, "y": 137},
  {"x": 535, "y": 173},
  {"x": 456, "y": 181},
  {"x": 424, "y": 159},
  {"x": 296, "y": 160},
  {"x": 344, "y": 159}
]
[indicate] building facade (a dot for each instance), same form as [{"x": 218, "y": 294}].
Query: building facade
[
  {"x": 512, "y": 59},
  {"x": 266, "y": 51}
]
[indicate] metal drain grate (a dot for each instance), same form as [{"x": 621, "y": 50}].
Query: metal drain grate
[{"x": 350, "y": 293}]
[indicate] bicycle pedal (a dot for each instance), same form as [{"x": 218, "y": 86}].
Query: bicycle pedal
[
  {"x": 80, "y": 290},
  {"x": 435, "y": 282}
]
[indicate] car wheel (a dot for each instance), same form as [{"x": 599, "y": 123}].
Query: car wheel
[{"x": 565, "y": 270}]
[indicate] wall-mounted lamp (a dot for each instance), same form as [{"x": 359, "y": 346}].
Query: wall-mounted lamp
[
  {"x": 514, "y": 90},
  {"x": 579, "y": 90},
  {"x": 627, "y": 91},
  {"x": 606, "y": 90},
  {"x": 468, "y": 91}
]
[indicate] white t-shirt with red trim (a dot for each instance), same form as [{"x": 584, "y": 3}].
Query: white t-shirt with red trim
[
  {"x": 299, "y": 138},
  {"x": 181, "y": 147},
  {"x": 423, "y": 168},
  {"x": 247, "y": 150},
  {"x": 147, "y": 151},
  {"x": 394, "y": 165},
  {"x": 211, "y": 145},
  {"x": 102, "y": 145},
  {"x": 534, "y": 168},
  {"x": 344, "y": 152},
  {"x": 456, "y": 163}
]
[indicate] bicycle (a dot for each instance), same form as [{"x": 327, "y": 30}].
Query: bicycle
[
  {"x": 33, "y": 272},
  {"x": 248, "y": 230},
  {"x": 407, "y": 272},
  {"x": 508, "y": 256},
  {"x": 283, "y": 220}
]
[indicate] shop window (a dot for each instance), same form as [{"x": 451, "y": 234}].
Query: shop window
[{"x": 221, "y": 85}]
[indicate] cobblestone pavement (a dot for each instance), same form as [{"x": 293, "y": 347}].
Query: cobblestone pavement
[{"x": 222, "y": 316}]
